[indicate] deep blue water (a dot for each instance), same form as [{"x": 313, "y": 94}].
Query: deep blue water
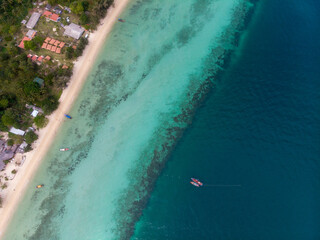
[{"x": 258, "y": 128}]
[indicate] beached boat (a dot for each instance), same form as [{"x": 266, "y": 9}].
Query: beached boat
[
  {"x": 64, "y": 149},
  {"x": 40, "y": 186},
  {"x": 68, "y": 116},
  {"x": 197, "y": 181},
  {"x": 194, "y": 184},
  {"x": 121, "y": 20}
]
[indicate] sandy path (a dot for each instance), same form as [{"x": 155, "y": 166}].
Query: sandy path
[{"x": 82, "y": 68}]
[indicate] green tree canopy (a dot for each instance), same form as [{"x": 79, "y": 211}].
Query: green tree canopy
[
  {"x": 40, "y": 121},
  {"x": 4, "y": 103},
  {"x": 10, "y": 142},
  {"x": 30, "y": 137},
  {"x": 8, "y": 118}
]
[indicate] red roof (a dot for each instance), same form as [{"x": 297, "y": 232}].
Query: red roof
[
  {"x": 29, "y": 55},
  {"x": 62, "y": 44},
  {"x": 47, "y": 39},
  {"x": 54, "y": 17},
  {"x": 52, "y": 41},
  {"x": 44, "y": 45},
  {"x": 49, "y": 47},
  {"x": 47, "y": 58},
  {"x": 53, "y": 49},
  {"x": 65, "y": 66},
  {"x": 40, "y": 58},
  {"x": 21, "y": 45},
  {"x": 34, "y": 58},
  {"x": 74, "y": 47},
  {"x": 56, "y": 43},
  {"x": 58, "y": 50},
  {"x": 47, "y": 14}
]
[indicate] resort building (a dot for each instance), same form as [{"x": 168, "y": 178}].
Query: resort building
[
  {"x": 51, "y": 16},
  {"x": 17, "y": 131},
  {"x": 22, "y": 147},
  {"x": 57, "y": 10},
  {"x": 34, "y": 58},
  {"x": 34, "y": 113},
  {"x": 21, "y": 45},
  {"x": 31, "y": 33},
  {"x": 48, "y": 7},
  {"x": 33, "y": 20},
  {"x": 52, "y": 45},
  {"x": 73, "y": 30},
  {"x": 6, "y": 153}
]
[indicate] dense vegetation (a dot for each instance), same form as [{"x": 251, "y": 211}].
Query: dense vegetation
[
  {"x": 17, "y": 72},
  {"x": 90, "y": 11}
]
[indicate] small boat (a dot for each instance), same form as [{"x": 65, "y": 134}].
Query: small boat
[
  {"x": 68, "y": 116},
  {"x": 121, "y": 20},
  {"x": 197, "y": 181},
  {"x": 195, "y": 184},
  {"x": 64, "y": 149},
  {"x": 40, "y": 186}
]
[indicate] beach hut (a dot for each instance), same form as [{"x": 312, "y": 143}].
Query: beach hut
[{"x": 47, "y": 40}]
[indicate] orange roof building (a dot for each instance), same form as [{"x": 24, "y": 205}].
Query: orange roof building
[
  {"x": 44, "y": 45},
  {"x": 34, "y": 58},
  {"x": 53, "y": 49},
  {"x": 57, "y": 43},
  {"x": 47, "y": 58},
  {"x": 65, "y": 66},
  {"x": 40, "y": 59},
  {"x": 58, "y": 50},
  {"x": 47, "y": 39},
  {"x": 49, "y": 47},
  {"x": 62, "y": 44},
  {"x": 47, "y": 14},
  {"x": 51, "y": 16},
  {"x": 21, "y": 45},
  {"x": 55, "y": 17},
  {"x": 52, "y": 41}
]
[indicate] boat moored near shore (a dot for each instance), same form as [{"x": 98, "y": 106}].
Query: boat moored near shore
[{"x": 64, "y": 149}]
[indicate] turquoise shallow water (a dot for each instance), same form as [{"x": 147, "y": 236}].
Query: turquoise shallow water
[{"x": 150, "y": 76}]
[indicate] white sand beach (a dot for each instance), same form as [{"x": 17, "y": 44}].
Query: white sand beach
[{"x": 17, "y": 186}]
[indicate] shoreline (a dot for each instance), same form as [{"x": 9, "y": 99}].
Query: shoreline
[{"x": 81, "y": 70}]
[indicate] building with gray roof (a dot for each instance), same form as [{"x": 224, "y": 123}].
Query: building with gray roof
[
  {"x": 33, "y": 20},
  {"x": 73, "y": 30}
]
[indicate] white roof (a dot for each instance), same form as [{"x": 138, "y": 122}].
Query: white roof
[
  {"x": 30, "y": 33},
  {"x": 17, "y": 131},
  {"x": 34, "y": 113},
  {"x": 23, "y": 145},
  {"x": 73, "y": 30},
  {"x": 33, "y": 20}
]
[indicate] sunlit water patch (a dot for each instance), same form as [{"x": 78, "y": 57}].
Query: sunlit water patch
[{"x": 153, "y": 71}]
